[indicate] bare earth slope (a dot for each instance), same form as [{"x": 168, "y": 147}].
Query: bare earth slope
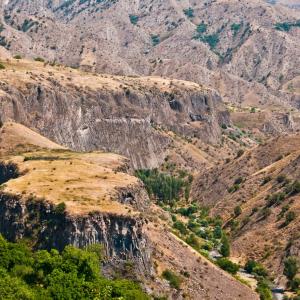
[
  {"x": 260, "y": 231},
  {"x": 231, "y": 46}
]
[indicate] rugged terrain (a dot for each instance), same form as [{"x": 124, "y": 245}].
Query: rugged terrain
[
  {"x": 259, "y": 183},
  {"x": 136, "y": 117},
  {"x": 231, "y": 46},
  {"x": 57, "y": 197}
]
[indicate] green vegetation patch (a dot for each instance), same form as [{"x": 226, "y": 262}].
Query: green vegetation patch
[
  {"x": 286, "y": 26},
  {"x": 72, "y": 274},
  {"x": 133, "y": 19}
]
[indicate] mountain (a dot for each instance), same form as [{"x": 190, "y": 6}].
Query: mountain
[
  {"x": 247, "y": 51},
  {"x": 167, "y": 131},
  {"x": 57, "y": 197},
  {"x": 256, "y": 195},
  {"x": 133, "y": 116}
]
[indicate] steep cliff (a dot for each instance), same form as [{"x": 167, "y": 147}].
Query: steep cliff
[
  {"x": 126, "y": 115},
  {"x": 122, "y": 236}
]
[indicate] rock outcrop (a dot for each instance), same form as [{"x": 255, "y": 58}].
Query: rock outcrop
[
  {"x": 122, "y": 237},
  {"x": 129, "y": 116}
]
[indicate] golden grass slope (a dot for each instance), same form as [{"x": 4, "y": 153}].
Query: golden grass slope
[
  {"x": 16, "y": 137},
  {"x": 85, "y": 182}
]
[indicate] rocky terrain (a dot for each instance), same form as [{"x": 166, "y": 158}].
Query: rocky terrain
[
  {"x": 58, "y": 197},
  {"x": 251, "y": 58},
  {"x": 255, "y": 194},
  {"x": 127, "y": 115},
  {"x": 204, "y": 94}
]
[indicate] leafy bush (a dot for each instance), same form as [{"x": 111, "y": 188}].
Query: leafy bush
[
  {"x": 237, "y": 211},
  {"x": 227, "y": 265},
  {"x": 133, "y": 19},
  {"x": 180, "y": 227},
  {"x": 189, "y": 12},
  {"x": 289, "y": 217},
  {"x": 155, "y": 40},
  {"x": 174, "y": 280},
  {"x": 254, "y": 267},
  {"x": 2, "y": 67},
  {"x": 291, "y": 267},
  {"x": 18, "y": 56},
  {"x": 225, "y": 247},
  {"x": 201, "y": 28},
  {"x": 266, "y": 180},
  {"x": 286, "y": 26},
  {"x": 275, "y": 199},
  {"x": 293, "y": 188},
  {"x": 235, "y": 27},
  {"x": 193, "y": 241},
  {"x": 73, "y": 274},
  {"x": 264, "y": 290},
  {"x": 233, "y": 188}
]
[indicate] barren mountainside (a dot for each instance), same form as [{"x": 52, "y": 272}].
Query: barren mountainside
[{"x": 246, "y": 50}]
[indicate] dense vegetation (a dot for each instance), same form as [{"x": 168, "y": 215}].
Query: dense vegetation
[
  {"x": 163, "y": 187},
  {"x": 261, "y": 275},
  {"x": 73, "y": 274}
]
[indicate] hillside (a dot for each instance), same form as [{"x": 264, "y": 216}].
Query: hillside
[
  {"x": 249, "y": 59},
  {"x": 262, "y": 184},
  {"x": 56, "y": 197},
  {"x": 89, "y": 111}
]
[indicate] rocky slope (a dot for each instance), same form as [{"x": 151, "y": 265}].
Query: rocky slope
[
  {"x": 56, "y": 197},
  {"x": 245, "y": 58},
  {"x": 262, "y": 183},
  {"x": 128, "y": 115}
]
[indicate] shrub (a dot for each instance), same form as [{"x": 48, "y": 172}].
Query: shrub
[
  {"x": 189, "y": 12},
  {"x": 233, "y": 188},
  {"x": 291, "y": 267},
  {"x": 264, "y": 290},
  {"x": 2, "y": 67},
  {"x": 225, "y": 247},
  {"x": 275, "y": 199},
  {"x": 289, "y": 217},
  {"x": 39, "y": 59},
  {"x": 266, "y": 180},
  {"x": 239, "y": 153},
  {"x": 201, "y": 28},
  {"x": 193, "y": 241},
  {"x": 180, "y": 227},
  {"x": 235, "y": 28},
  {"x": 174, "y": 280},
  {"x": 237, "y": 211},
  {"x": 133, "y": 19},
  {"x": 281, "y": 178},
  {"x": 286, "y": 26},
  {"x": 155, "y": 40},
  {"x": 265, "y": 212},
  {"x": 227, "y": 265},
  {"x": 18, "y": 56},
  {"x": 293, "y": 188}
]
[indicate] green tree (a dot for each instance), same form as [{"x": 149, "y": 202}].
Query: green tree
[
  {"x": 225, "y": 247},
  {"x": 291, "y": 267}
]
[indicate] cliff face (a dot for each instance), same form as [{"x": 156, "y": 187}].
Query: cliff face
[
  {"x": 122, "y": 237},
  {"x": 128, "y": 116}
]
